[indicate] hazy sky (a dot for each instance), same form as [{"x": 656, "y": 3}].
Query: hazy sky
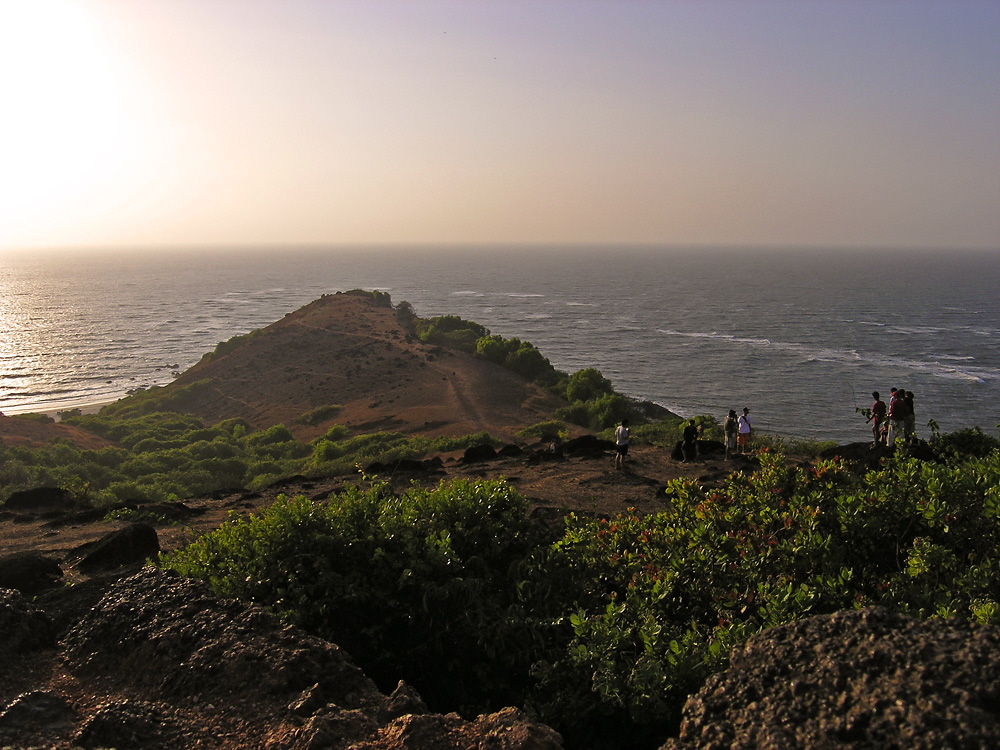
[{"x": 175, "y": 122}]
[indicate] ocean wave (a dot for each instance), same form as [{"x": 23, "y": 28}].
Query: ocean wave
[
  {"x": 937, "y": 366},
  {"x": 917, "y": 330},
  {"x": 467, "y": 293}
]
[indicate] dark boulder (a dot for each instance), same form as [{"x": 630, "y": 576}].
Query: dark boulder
[
  {"x": 135, "y": 543},
  {"x": 478, "y": 453},
  {"x": 704, "y": 448},
  {"x": 404, "y": 466},
  {"x": 510, "y": 451},
  {"x": 38, "y": 709},
  {"x": 29, "y": 572},
  {"x": 39, "y": 498},
  {"x": 589, "y": 446},
  {"x": 852, "y": 680}
]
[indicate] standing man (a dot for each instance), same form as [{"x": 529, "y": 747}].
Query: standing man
[
  {"x": 897, "y": 417},
  {"x": 689, "y": 442},
  {"x": 621, "y": 444},
  {"x": 877, "y": 418},
  {"x": 745, "y": 430}
]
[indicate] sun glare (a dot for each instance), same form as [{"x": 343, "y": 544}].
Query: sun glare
[{"x": 66, "y": 135}]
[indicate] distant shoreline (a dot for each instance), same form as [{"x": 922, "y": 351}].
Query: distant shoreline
[{"x": 50, "y": 410}]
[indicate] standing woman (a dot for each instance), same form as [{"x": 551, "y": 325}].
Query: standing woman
[
  {"x": 729, "y": 426},
  {"x": 745, "y": 430}
]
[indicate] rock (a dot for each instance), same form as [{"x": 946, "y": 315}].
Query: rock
[
  {"x": 179, "y": 651},
  {"x": 23, "y": 627},
  {"x": 123, "y": 723},
  {"x": 159, "y": 635},
  {"x": 510, "y": 451},
  {"x": 405, "y": 466},
  {"x": 587, "y": 445},
  {"x": 39, "y": 498},
  {"x": 705, "y": 448},
  {"x": 853, "y": 679},
  {"x": 479, "y": 453},
  {"x": 29, "y": 572},
  {"x": 37, "y": 710},
  {"x": 404, "y": 700},
  {"x": 135, "y": 543}
]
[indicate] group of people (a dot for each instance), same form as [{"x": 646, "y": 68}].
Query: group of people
[
  {"x": 893, "y": 421},
  {"x": 738, "y": 430}
]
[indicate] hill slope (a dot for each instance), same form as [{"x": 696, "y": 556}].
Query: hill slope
[{"x": 349, "y": 351}]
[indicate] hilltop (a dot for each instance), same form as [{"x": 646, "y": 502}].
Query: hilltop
[{"x": 355, "y": 353}]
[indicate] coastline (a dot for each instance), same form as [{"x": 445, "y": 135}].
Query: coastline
[{"x": 51, "y": 410}]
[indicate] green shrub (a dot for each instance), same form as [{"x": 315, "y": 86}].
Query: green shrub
[
  {"x": 320, "y": 415},
  {"x": 450, "y": 331},
  {"x": 549, "y": 430},
  {"x": 421, "y": 586},
  {"x": 586, "y": 385}
]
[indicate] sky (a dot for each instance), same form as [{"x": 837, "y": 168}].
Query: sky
[{"x": 812, "y": 123}]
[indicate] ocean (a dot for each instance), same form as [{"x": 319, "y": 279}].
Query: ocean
[{"x": 800, "y": 337}]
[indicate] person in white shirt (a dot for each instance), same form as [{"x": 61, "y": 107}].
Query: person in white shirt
[
  {"x": 745, "y": 430},
  {"x": 621, "y": 444}
]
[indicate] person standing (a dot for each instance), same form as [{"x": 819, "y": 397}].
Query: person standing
[
  {"x": 729, "y": 427},
  {"x": 744, "y": 431},
  {"x": 877, "y": 418},
  {"x": 621, "y": 444},
  {"x": 909, "y": 417},
  {"x": 897, "y": 415},
  {"x": 689, "y": 442}
]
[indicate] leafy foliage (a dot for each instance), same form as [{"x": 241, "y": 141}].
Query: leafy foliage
[
  {"x": 403, "y": 582},
  {"x": 450, "y": 331},
  {"x": 167, "y": 456}
]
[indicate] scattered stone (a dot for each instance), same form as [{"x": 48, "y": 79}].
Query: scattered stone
[
  {"x": 23, "y": 626},
  {"x": 510, "y": 451},
  {"x": 29, "y": 572},
  {"x": 123, "y": 723},
  {"x": 39, "y": 498},
  {"x": 135, "y": 543},
  {"x": 587, "y": 445},
  {"x": 405, "y": 466},
  {"x": 478, "y": 454},
  {"x": 36, "y": 711},
  {"x": 404, "y": 700}
]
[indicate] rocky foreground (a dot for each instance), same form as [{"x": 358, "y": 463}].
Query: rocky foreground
[{"x": 160, "y": 662}]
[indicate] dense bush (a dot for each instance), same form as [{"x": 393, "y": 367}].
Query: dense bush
[
  {"x": 422, "y": 586},
  {"x": 450, "y": 331},
  {"x": 586, "y": 385}
]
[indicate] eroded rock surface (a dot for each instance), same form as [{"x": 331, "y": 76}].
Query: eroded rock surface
[
  {"x": 854, "y": 679},
  {"x": 161, "y": 662}
]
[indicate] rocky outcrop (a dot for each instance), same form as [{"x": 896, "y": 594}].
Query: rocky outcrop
[
  {"x": 854, "y": 679},
  {"x": 135, "y": 543},
  {"x": 161, "y": 662},
  {"x": 29, "y": 572}
]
